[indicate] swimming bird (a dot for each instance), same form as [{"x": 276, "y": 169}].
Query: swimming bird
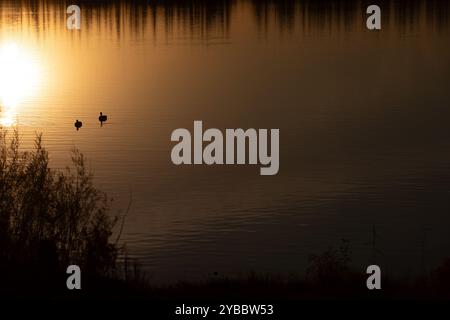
[
  {"x": 102, "y": 118},
  {"x": 78, "y": 124}
]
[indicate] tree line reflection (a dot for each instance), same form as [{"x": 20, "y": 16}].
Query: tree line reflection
[{"x": 212, "y": 18}]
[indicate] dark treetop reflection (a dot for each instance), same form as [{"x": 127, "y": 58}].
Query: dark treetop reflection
[{"x": 211, "y": 18}]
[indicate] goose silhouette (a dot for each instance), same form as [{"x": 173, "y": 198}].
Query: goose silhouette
[
  {"x": 78, "y": 124},
  {"x": 102, "y": 118}
]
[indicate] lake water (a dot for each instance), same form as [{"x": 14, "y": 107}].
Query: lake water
[{"x": 363, "y": 118}]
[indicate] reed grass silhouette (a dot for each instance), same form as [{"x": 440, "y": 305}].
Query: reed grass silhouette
[{"x": 50, "y": 219}]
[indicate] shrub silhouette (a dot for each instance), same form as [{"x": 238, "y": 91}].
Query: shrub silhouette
[
  {"x": 332, "y": 267},
  {"x": 50, "y": 219}
]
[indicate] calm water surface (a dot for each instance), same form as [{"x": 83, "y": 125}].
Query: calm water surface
[{"x": 363, "y": 120}]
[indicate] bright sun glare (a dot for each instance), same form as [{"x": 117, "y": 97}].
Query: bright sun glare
[{"x": 19, "y": 78}]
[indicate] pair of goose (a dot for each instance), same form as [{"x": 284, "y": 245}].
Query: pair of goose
[{"x": 102, "y": 118}]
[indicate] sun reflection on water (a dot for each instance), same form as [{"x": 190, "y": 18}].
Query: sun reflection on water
[{"x": 20, "y": 75}]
